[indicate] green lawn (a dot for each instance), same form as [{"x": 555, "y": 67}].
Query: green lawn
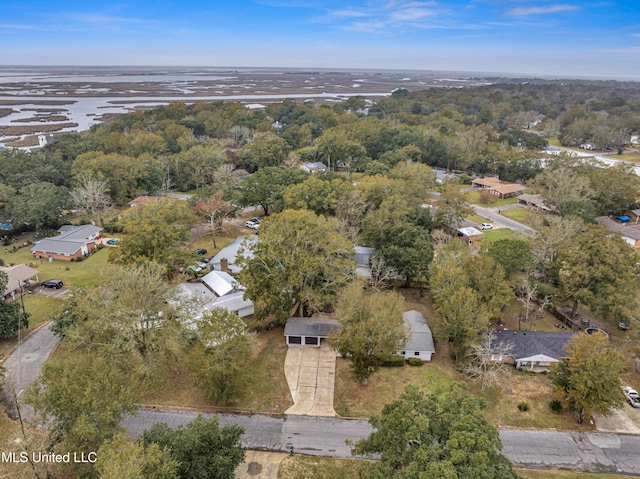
[
  {"x": 633, "y": 157},
  {"x": 306, "y": 467},
  {"x": 497, "y": 234},
  {"x": 478, "y": 219},
  {"x": 474, "y": 197},
  {"x": 522, "y": 215}
]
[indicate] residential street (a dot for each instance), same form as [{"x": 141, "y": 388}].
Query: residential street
[
  {"x": 490, "y": 213},
  {"x": 324, "y": 436}
]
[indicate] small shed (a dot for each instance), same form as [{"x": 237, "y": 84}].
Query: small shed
[
  {"x": 314, "y": 167},
  {"x": 309, "y": 331},
  {"x": 420, "y": 342}
]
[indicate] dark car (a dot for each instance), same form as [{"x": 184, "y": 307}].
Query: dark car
[
  {"x": 201, "y": 251},
  {"x": 52, "y": 283}
]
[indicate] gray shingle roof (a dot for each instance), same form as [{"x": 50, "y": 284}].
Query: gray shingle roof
[
  {"x": 318, "y": 327},
  {"x": 420, "y": 337},
  {"x": 629, "y": 230},
  {"x": 525, "y": 344}
]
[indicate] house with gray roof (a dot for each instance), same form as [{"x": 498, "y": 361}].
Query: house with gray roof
[
  {"x": 71, "y": 243},
  {"x": 314, "y": 167},
  {"x": 630, "y": 231},
  {"x": 529, "y": 350},
  {"x": 309, "y": 331},
  {"x": 227, "y": 258},
  {"x": 18, "y": 277},
  {"x": 419, "y": 340}
]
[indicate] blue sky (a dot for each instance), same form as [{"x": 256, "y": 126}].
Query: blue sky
[{"x": 564, "y": 37}]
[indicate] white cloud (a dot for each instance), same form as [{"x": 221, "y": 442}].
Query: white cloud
[{"x": 541, "y": 10}]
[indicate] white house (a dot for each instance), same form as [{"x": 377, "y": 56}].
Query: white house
[
  {"x": 420, "y": 342},
  {"x": 219, "y": 290},
  {"x": 314, "y": 167}
]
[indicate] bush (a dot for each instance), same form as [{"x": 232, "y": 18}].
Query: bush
[
  {"x": 414, "y": 362},
  {"x": 395, "y": 361},
  {"x": 523, "y": 407},
  {"x": 555, "y": 406}
]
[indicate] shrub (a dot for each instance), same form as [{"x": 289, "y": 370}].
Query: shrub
[
  {"x": 486, "y": 197},
  {"x": 414, "y": 362},
  {"x": 395, "y": 361},
  {"x": 555, "y": 406},
  {"x": 523, "y": 406}
]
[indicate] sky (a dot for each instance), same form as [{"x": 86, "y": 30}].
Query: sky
[{"x": 563, "y": 38}]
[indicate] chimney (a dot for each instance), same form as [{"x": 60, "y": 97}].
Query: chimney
[{"x": 224, "y": 265}]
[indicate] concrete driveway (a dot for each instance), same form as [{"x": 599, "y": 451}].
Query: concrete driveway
[
  {"x": 621, "y": 421},
  {"x": 310, "y": 373}
]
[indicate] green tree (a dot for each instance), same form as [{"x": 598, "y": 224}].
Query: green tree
[
  {"x": 319, "y": 196},
  {"x": 12, "y": 317},
  {"x": 130, "y": 316},
  {"x": 264, "y": 188},
  {"x": 221, "y": 356},
  {"x": 565, "y": 190},
  {"x": 266, "y": 150},
  {"x": 588, "y": 379},
  {"x": 372, "y": 329},
  {"x": 595, "y": 270},
  {"x": 120, "y": 457},
  {"x": 407, "y": 248},
  {"x": 155, "y": 232},
  {"x": 39, "y": 205},
  {"x": 202, "y": 448},
  {"x": 453, "y": 205},
  {"x": 434, "y": 436},
  {"x": 301, "y": 261},
  {"x": 82, "y": 399},
  {"x": 513, "y": 254}
]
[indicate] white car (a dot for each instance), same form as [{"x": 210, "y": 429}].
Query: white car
[
  {"x": 252, "y": 225},
  {"x": 486, "y": 226},
  {"x": 631, "y": 395}
]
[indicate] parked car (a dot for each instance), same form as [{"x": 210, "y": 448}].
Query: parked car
[
  {"x": 256, "y": 219},
  {"x": 201, "y": 251},
  {"x": 486, "y": 226},
  {"x": 112, "y": 242},
  {"x": 631, "y": 395},
  {"x": 252, "y": 225},
  {"x": 52, "y": 283}
]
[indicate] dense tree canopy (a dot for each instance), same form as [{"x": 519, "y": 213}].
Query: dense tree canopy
[
  {"x": 434, "y": 436},
  {"x": 11, "y": 316},
  {"x": 588, "y": 379},
  {"x": 202, "y": 449},
  {"x": 372, "y": 328},
  {"x": 301, "y": 261}
]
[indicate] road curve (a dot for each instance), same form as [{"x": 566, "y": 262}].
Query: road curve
[{"x": 324, "y": 436}]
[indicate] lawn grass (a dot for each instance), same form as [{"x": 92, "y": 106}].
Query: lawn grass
[
  {"x": 497, "y": 234},
  {"x": 477, "y": 219},
  {"x": 307, "y": 467},
  {"x": 522, "y": 215},
  {"x": 632, "y": 157}
]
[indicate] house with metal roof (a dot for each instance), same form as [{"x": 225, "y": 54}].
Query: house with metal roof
[
  {"x": 219, "y": 289},
  {"x": 227, "y": 258},
  {"x": 71, "y": 243},
  {"x": 309, "y": 331},
  {"x": 314, "y": 167},
  {"x": 420, "y": 340},
  {"x": 532, "y": 351}
]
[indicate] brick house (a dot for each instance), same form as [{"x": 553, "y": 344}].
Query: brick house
[{"x": 72, "y": 242}]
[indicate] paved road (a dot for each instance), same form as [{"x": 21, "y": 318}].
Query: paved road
[
  {"x": 23, "y": 365},
  {"x": 323, "y": 436},
  {"x": 491, "y": 214}
]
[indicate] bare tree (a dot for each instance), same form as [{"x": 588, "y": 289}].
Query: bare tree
[
  {"x": 90, "y": 194},
  {"x": 528, "y": 296},
  {"x": 240, "y": 135},
  {"x": 214, "y": 209},
  {"x": 226, "y": 176},
  {"x": 486, "y": 362},
  {"x": 381, "y": 273}
]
